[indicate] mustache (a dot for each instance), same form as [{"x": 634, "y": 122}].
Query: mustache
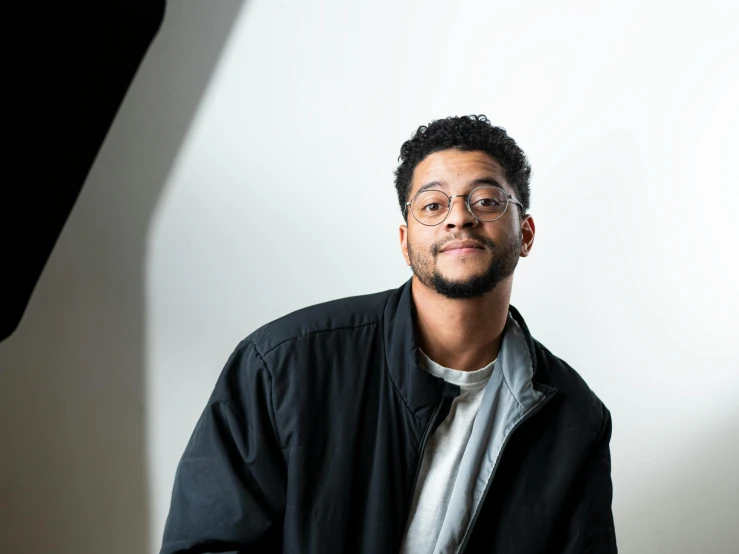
[{"x": 482, "y": 240}]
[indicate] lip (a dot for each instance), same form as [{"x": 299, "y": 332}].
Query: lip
[
  {"x": 462, "y": 247},
  {"x": 462, "y": 251}
]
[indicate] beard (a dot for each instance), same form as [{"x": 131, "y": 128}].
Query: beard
[{"x": 503, "y": 263}]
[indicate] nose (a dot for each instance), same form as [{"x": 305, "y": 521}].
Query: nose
[{"x": 459, "y": 215}]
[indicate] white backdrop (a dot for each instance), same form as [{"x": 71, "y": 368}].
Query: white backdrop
[{"x": 278, "y": 193}]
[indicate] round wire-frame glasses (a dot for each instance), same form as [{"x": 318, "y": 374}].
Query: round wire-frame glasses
[{"x": 508, "y": 198}]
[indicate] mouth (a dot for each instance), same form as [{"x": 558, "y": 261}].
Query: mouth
[
  {"x": 462, "y": 251},
  {"x": 462, "y": 247}
]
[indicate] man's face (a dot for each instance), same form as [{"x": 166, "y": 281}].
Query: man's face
[{"x": 432, "y": 251}]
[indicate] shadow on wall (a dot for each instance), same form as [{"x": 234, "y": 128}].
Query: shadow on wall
[{"x": 73, "y": 476}]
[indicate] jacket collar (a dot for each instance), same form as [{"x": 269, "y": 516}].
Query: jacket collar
[{"x": 420, "y": 390}]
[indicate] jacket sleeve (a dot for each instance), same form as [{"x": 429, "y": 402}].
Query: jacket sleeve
[
  {"x": 590, "y": 528},
  {"x": 229, "y": 489}
]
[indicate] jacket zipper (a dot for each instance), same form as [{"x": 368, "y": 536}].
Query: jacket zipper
[
  {"x": 533, "y": 411},
  {"x": 426, "y": 433}
]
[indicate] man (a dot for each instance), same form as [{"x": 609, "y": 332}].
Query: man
[{"x": 422, "y": 419}]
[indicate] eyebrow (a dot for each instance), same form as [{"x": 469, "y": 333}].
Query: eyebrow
[{"x": 473, "y": 184}]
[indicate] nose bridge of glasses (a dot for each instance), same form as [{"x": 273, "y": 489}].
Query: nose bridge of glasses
[{"x": 465, "y": 205}]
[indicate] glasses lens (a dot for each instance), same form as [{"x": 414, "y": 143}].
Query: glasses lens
[
  {"x": 430, "y": 207},
  {"x": 488, "y": 203}
]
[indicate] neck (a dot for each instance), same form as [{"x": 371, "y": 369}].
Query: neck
[{"x": 461, "y": 334}]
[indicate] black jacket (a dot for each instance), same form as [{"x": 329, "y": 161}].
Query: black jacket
[{"x": 312, "y": 439}]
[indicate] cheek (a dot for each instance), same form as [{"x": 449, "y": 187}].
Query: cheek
[
  {"x": 420, "y": 243},
  {"x": 422, "y": 254}
]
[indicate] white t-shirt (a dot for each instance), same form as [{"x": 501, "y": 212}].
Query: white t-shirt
[{"x": 443, "y": 454}]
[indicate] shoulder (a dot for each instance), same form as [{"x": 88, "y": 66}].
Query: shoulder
[
  {"x": 344, "y": 313},
  {"x": 579, "y": 402}
]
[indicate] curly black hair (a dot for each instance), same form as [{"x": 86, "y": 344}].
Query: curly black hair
[{"x": 466, "y": 133}]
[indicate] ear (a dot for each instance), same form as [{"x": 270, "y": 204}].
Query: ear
[
  {"x": 404, "y": 243},
  {"x": 528, "y": 230}
]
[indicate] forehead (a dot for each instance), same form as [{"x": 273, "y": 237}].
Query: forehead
[{"x": 456, "y": 168}]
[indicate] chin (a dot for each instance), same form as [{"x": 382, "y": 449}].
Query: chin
[{"x": 461, "y": 275}]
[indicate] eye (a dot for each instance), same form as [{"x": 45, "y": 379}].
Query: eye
[
  {"x": 487, "y": 203},
  {"x": 431, "y": 207}
]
